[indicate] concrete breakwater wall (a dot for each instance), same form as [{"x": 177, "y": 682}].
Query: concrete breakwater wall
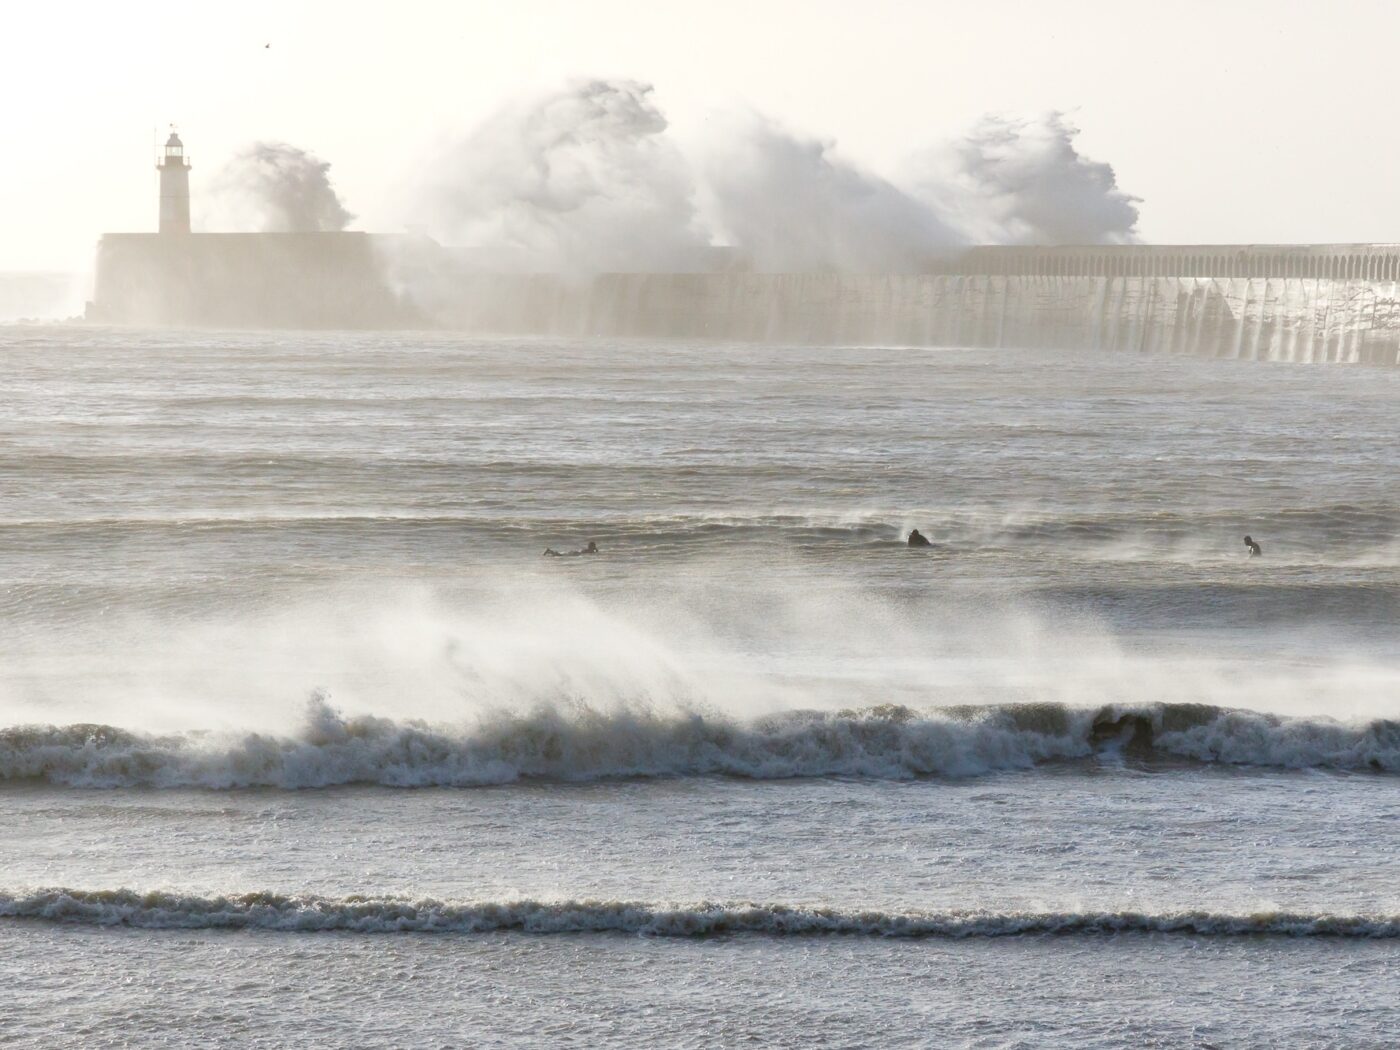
[
  {"x": 1314, "y": 303},
  {"x": 244, "y": 280},
  {"x": 1340, "y": 320}
]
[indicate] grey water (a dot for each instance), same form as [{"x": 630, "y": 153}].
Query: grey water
[{"x": 303, "y": 741}]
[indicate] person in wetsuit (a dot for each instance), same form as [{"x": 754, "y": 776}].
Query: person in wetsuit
[
  {"x": 592, "y": 548},
  {"x": 918, "y": 539},
  {"x": 1254, "y": 549}
]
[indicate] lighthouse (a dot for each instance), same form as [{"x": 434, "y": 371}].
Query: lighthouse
[{"x": 174, "y": 187}]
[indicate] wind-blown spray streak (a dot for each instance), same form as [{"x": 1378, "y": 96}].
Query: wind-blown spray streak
[{"x": 272, "y": 187}]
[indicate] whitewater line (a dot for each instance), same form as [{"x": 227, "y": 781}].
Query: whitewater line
[
  {"x": 273, "y": 912},
  {"x": 578, "y": 744}
]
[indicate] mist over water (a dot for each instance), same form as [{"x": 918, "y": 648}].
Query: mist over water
[
  {"x": 42, "y": 296},
  {"x": 362, "y": 517}
]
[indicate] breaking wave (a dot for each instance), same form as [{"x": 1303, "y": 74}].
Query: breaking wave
[
  {"x": 579, "y": 743},
  {"x": 163, "y": 910}
]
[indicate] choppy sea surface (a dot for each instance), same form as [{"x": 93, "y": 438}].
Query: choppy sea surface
[{"x": 304, "y": 742}]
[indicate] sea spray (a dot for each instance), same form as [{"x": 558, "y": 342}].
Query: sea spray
[
  {"x": 273, "y": 187},
  {"x": 587, "y": 179},
  {"x": 575, "y": 742},
  {"x": 287, "y": 913},
  {"x": 1023, "y": 181},
  {"x": 579, "y": 179},
  {"x": 795, "y": 205}
]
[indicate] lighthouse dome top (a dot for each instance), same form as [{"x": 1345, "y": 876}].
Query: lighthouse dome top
[{"x": 174, "y": 140}]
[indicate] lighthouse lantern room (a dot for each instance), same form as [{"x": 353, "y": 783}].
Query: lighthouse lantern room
[{"x": 174, "y": 187}]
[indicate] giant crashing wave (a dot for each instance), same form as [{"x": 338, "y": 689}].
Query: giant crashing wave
[
  {"x": 575, "y": 742},
  {"x": 286, "y": 913}
]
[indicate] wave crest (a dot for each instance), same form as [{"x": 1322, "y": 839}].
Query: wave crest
[
  {"x": 579, "y": 743},
  {"x": 166, "y": 910}
]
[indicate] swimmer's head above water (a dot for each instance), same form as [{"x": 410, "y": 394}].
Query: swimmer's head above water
[{"x": 592, "y": 548}]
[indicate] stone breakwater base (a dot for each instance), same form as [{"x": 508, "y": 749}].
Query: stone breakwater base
[{"x": 1303, "y": 303}]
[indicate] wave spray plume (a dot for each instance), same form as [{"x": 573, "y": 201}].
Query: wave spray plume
[{"x": 272, "y": 187}]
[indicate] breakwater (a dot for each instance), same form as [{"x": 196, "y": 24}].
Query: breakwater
[
  {"x": 1298, "y": 303},
  {"x": 244, "y": 280},
  {"x": 1339, "y": 320}
]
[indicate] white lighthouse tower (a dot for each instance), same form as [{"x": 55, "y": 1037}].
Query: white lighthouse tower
[{"x": 174, "y": 187}]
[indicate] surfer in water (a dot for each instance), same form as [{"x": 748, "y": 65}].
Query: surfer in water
[
  {"x": 592, "y": 548},
  {"x": 918, "y": 539},
  {"x": 1254, "y": 549}
]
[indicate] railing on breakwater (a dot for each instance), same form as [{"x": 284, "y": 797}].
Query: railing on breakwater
[{"x": 1338, "y": 262}]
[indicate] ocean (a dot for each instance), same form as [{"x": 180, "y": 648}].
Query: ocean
[{"x": 304, "y": 742}]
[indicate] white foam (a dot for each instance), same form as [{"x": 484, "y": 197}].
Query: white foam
[
  {"x": 163, "y": 910},
  {"x": 573, "y": 742}
]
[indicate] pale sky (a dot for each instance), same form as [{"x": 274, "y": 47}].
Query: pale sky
[{"x": 1234, "y": 120}]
